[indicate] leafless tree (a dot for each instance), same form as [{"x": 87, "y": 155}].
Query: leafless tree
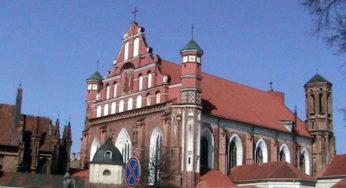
[{"x": 329, "y": 18}]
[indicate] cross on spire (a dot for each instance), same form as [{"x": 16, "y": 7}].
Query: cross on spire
[
  {"x": 20, "y": 82},
  {"x": 271, "y": 85},
  {"x": 97, "y": 65},
  {"x": 134, "y": 12},
  {"x": 192, "y": 27}
]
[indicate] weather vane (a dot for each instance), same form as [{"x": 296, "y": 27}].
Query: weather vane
[
  {"x": 134, "y": 12},
  {"x": 192, "y": 30}
]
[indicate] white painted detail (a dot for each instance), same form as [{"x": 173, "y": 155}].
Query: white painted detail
[
  {"x": 189, "y": 145},
  {"x": 94, "y": 87},
  {"x": 124, "y": 145},
  {"x": 105, "y": 110},
  {"x": 165, "y": 79},
  {"x": 94, "y": 146},
  {"x": 198, "y": 60},
  {"x": 150, "y": 77},
  {"x": 130, "y": 104},
  {"x": 139, "y": 101},
  {"x": 98, "y": 111},
  {"x": 136, "y": 47},
  {"x": 286, "y": 151},
  {"x": 140, "y": 82},
  {"x": 158, "y": 98},
  {"x": 115, "y": 90},
  {"x": 126, "y": 52},
  {"x": 114, "y": 107},
  {"x": 192, "y": 58},
  {"x": 89, "y": 86},
  {"x": 185, "y": 58},
  {"x": 98, "y": 96},
  {"x": 261, "y": 144},
  {"x": 108, "y": 92},
  {"x": 148, "y": 100},
  {"x": 121, "y": 106}
]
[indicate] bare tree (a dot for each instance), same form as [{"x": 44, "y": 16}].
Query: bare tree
[{"x": 329, "y": 18}]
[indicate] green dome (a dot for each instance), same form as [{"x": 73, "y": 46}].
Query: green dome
[
  {"x": 95, "y": 77},
  {"x": 317, "y": 78},
  {"x": 108, "y": 154},
  {"x": 192, "y": 46}
]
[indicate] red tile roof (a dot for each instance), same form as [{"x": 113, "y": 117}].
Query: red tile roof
[
  {"x": 238, "y": 102},
  {"x": 7, "y": 122},
  {"x": 273, "y": 170},
  {"x": 215, "y": 178},
  {"x": 336, "y": 168},
  {"x": 340, "y": 184},
  {"x": 82, "y": 174}
]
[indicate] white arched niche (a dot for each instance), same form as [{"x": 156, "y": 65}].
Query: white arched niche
[
  {"x": 136, "y": 47},
  {"x": 263, "y": 147},
  {"x": 154, "y": 154},
  {"x": 284, "y": 149},
  {"x": 207, "y": 148},
  {"x": 124, "y": 145},
  {"x": 239, "y": 150},
  {"x": 94, "y": 146},
  {"x": 305, "y": 156}
]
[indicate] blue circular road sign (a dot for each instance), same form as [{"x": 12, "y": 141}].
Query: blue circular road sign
[{"x": 132, "y": 172}]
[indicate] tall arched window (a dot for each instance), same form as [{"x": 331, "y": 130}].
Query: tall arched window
[
  {"x": 139, "y": 101},
  {"x": 121, "y": 106},
  {"x": 320, "y": 103},
  {"x": 136, "y": 47},
  {"x": 235, "y": 152},
  {"x": 207, "y": 149},
  {"x": 150, "y": 79},
  {"x": 304, "y": 161},
  {"x": 105, "y": 110},
  {"x": 140, "y": 84},
  {"x": 154, "y": 156},
  {"x": 261, "y": 152},
  {"x": 312, "y": 104},
  {"x": 284, "y": 153},
  {"x": 123, "y": 143},
  {"x": 130, "y": 104},
  {"x": 126, "y": 51},
  {"x": 94, "y": 146},
  {"x": 158, "y": 98},
  {"x": 114, "y": 107},
  {"x": 98, "y": 111}
]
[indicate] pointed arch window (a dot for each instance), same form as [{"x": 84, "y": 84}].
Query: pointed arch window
[
  {"x": 98, "y": 111},
  {"x": 148, "y": 100},
  {"x": 304, "y": 162},
  {"x": 284, "y": 153},
  {"x": 108, "y": 91},
  {"x": 154, "y": 156},
  {"x": 235, "y": 152},
  {"x": 136, "y": 47},
  {"x": 123, "y": 143},
  {"x": 207, "y": 149},
  {"x": 261, "y": 152},
  {"x": 115, "y": 90}
]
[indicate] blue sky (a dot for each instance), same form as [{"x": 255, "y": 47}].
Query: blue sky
[{"x": 54, "y": 46}]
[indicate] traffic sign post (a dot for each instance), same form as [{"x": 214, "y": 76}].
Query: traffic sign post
[{"x": 132, "y": 172}]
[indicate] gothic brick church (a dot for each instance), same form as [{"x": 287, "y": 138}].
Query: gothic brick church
[
  {"x": 191, "y": 121},
  {"x": 32, "y": 143}
]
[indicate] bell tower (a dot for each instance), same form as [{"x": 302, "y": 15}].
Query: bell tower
[
  {"x": 190, "y": 113},
  {"x": 320, "y": 121}
]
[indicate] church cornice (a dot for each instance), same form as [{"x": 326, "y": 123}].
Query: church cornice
[{"x": 131, "y": 113}]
